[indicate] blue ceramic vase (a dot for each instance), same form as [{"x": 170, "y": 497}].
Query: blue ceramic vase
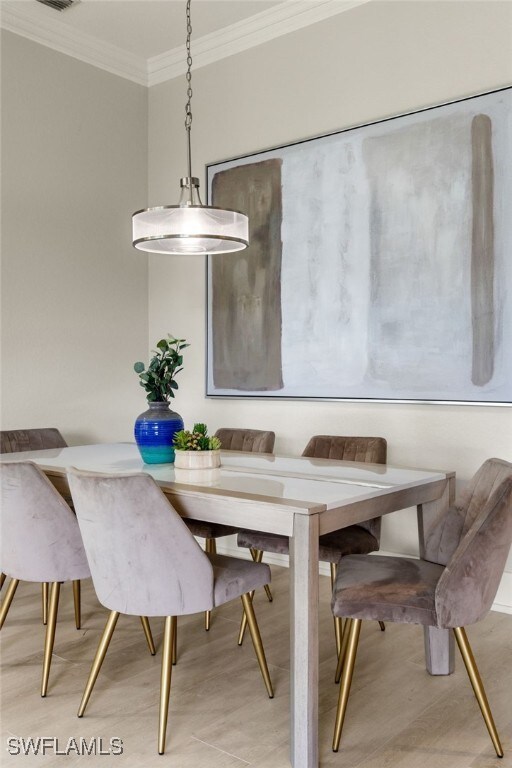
[{"x": 154, "y": 432}]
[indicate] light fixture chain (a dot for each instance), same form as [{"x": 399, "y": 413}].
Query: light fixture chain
[{"x": 188, "y": 106}]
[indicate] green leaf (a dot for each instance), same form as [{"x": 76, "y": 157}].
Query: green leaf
[
  {"x": 138, "y": 367},
  {"x": 173, "y": 384},
  {"x": 163, "y": 345}
]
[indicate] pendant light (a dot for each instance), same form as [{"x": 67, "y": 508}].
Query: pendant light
[{"x": 189, "y": 227}]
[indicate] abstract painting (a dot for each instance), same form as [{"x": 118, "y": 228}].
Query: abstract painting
[{"x": 379, "y": 264}]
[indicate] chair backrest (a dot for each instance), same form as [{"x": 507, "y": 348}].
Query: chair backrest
[
  {"x": 249, "y": 440},
  {"x": 446, "y": 531},
  {"x": 469, "y": 583},
  {"x": 369, "y": 450},
  {"x": 40, "y": 536},
  {"x": 16, "y": 440},
  {"x": 144, "y": 561}
]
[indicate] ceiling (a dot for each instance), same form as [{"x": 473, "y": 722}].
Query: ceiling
[{"x": 143, "y": 40}]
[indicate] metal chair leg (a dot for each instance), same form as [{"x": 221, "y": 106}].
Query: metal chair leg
[
  {"x": 243, "y": 621},
  {"x": 343, "y": 650},
  {"x": 257, "y": 556},
  {"x": 2, "y": 579},
  {"x": 338, "y": 622},
  {"x": 478, "y": 687},
  {"x": 211, "y": 547},
  {"x": 45, "y": 587},
  {"x": 175, "y": 643},
  {"x": 149, "y": 637},
  {"x": 77, "y": 603},
  {"x": 165, "y": 682},
  {"x": 346, "y": 680},
  {"x": 98, "y": 659},
  {"x": 6, "y": 603},
  {"x": 258, "y": 645},
  {"x": 50, "y": 635}
]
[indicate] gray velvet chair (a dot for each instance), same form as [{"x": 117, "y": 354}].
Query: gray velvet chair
[
  {"x": 453, "y": 585},
  {"x": 40, "y": 542},
  {"x": 144, "y": 560},
  {"x": 355, "y": 539},
  {"x": 249, "y": 441},
  {"x": 15, "y": 441}
]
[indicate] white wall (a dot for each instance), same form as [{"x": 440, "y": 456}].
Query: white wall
[
  {"x": 376, "y": 60},
  {"x": 74, "y": 291}
]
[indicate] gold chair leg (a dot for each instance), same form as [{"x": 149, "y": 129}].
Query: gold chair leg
[
  {"x": 343, "y": 649},
  {"x": 6, "y": 603},
  {"x": 165, "y": 682},
  {"x": 44, "y": 599},
  {"x": 211, "y": 547},
  {"x": 258, "y": 645},
  {"x": 346, "y": 680},
  {"x": 338, "y": 622},
  {"x": 149, "y": 637},
  {"x": 50, "y": 635},
  {"x": 77, "y": 603},
  {"x": 257, "y": 556},
  {"x": 478, "y": 687},
  {"x": 98, "y": 659},
  {"x": 382, "y": 626},
  {"x": 2, "y": 579},
  {"x": 175, "y": 643},
  {"x": 243, "y": 622}
]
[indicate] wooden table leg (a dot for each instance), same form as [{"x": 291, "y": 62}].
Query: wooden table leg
[
  {"x": 439, "y": 643},
  {"x": 439, "y": 651},
  {"x": 304, "y": 641}
]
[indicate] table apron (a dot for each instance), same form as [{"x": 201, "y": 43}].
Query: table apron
[{"x": 359, "y": 511}]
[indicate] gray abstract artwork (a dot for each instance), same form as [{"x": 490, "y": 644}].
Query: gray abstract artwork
[{"x": 380, "y": 264}]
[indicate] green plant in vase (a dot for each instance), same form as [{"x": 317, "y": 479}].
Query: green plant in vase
[
  {"x": 159, "y": 378},
  {"x": 155, "y": 428}
]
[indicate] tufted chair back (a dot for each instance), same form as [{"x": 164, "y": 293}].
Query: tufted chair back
[
  {"x": 371, "y": 450},
  {"x": 250, "y": 440},
  {"x": 16, "y": 440}
]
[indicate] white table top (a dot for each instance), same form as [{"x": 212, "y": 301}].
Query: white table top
[{"x": 302, "y": 481}]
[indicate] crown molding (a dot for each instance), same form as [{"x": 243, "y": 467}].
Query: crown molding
[
  {"x": 286, "y": 17},
  {"x": 62, "y": 38}
]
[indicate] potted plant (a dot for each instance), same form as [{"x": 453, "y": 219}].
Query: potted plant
[
  {"x": 196, "y": 449},
  {"x": 155, "y": 428}
]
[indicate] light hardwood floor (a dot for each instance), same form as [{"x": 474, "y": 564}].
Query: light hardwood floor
[{"x": 220, "y": 716}]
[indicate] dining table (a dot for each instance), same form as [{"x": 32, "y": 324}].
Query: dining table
[{"x": 298, "y": 497}]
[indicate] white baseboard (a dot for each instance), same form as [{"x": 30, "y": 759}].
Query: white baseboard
[{"x": 228, "y": 546}]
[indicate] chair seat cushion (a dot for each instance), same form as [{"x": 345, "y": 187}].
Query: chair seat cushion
[
  {"x": 333, "y": 546},
  {"x": 382, "y": 588},
  {"x": 209, "y": 530},
  {"x": 233, "y": 577}
]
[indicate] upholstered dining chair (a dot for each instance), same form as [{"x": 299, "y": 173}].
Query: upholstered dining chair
[
  {"x": 451, "y": 586},
  {"x": 144, "y": 560},
  {"x": 247, "y": 440},
  {"x": 15, "y": 441},
  {"x": 355, "y": 539},
  {"x": 40, "y": 542}
]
